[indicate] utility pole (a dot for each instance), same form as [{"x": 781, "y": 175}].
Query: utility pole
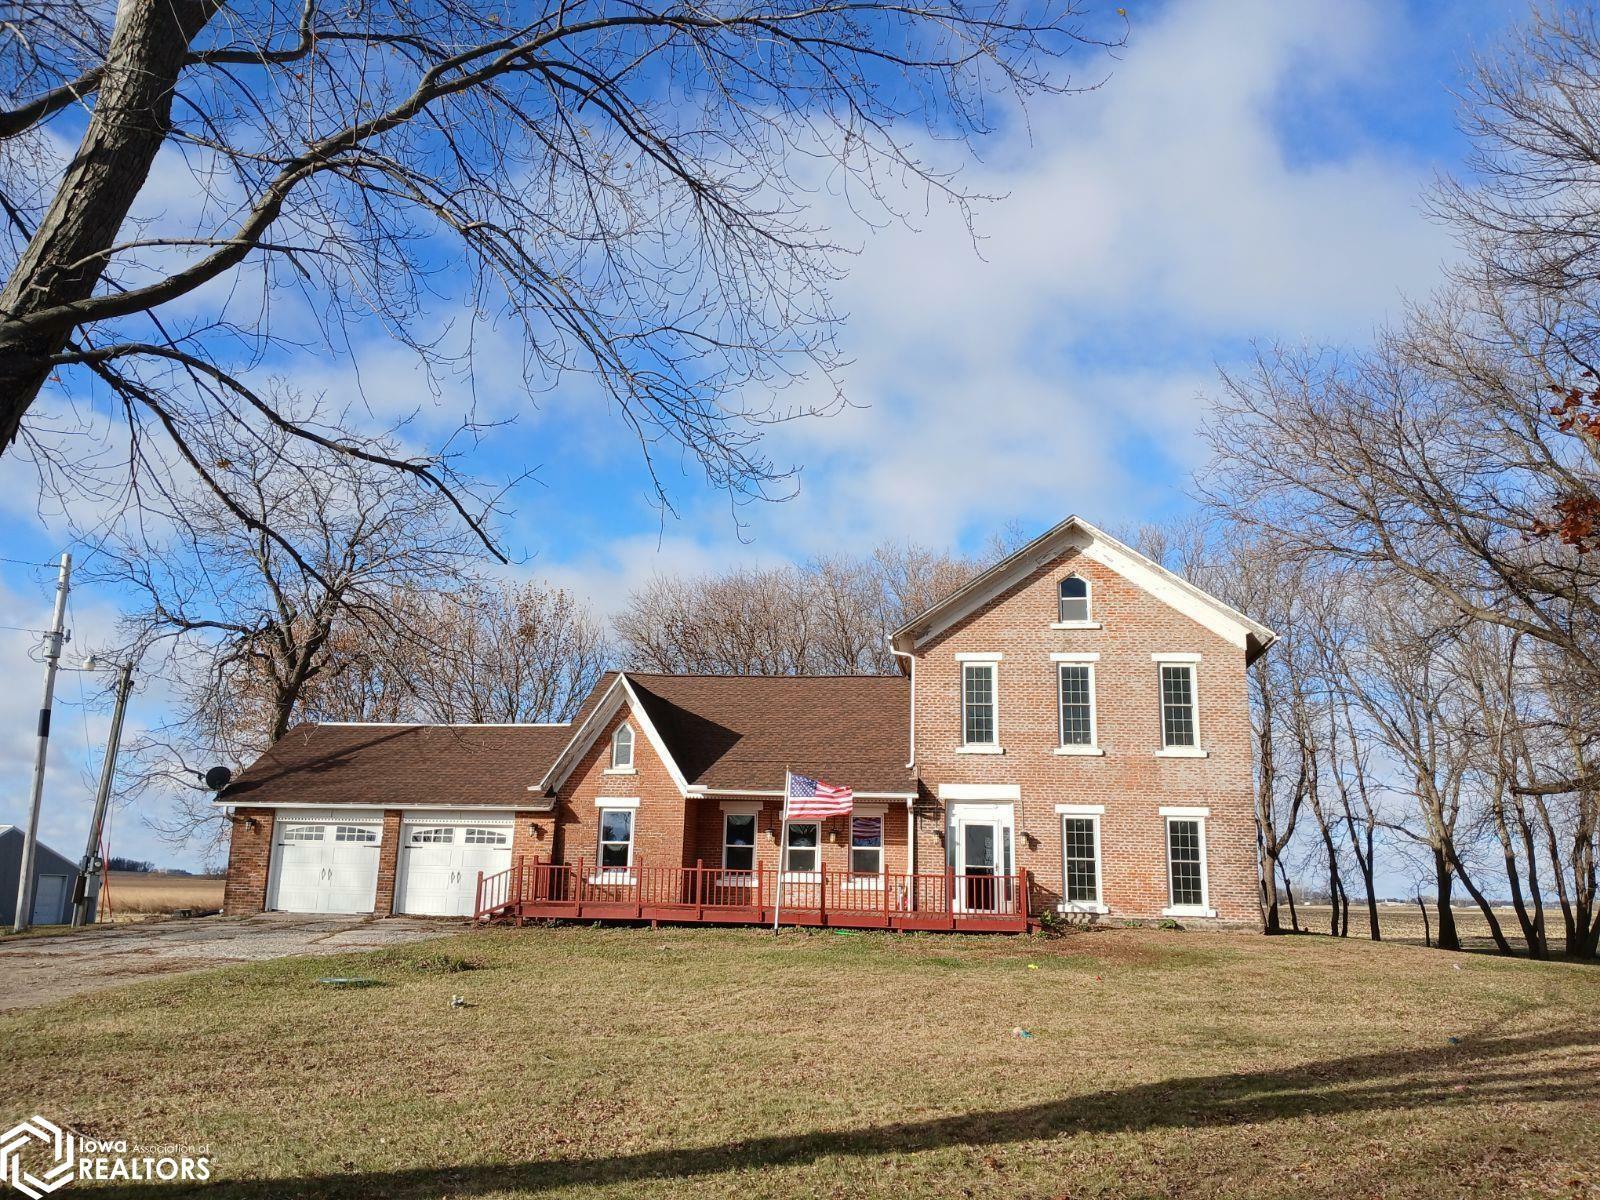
[
  {"x": 93, "y": 866},
  {"x": 52, "y": 656}
]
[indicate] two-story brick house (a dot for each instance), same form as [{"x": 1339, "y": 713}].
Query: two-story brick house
[{"x": 1069, "y": 732}]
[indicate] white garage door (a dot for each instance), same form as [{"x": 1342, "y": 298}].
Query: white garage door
[
  {"x": 321, "y": 866},
  {"x": 440, "y": 860}
]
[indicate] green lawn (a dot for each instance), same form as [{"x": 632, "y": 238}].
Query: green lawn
[{"x": 699, "y": 1062}]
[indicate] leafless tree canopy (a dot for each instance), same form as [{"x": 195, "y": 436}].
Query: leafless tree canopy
[
  {"x": 829, "y": 616},
  {"x": 1436, "y": 498},
  {"x": 607, "y": 197}
]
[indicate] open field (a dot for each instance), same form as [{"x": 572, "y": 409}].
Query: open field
[
  {"x": 631, "y": 1062},
  {"x": 135, "y": 894},
  {"x": 1403, "y": 924}
]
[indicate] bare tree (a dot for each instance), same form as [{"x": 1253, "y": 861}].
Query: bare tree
[
  {"x": 485, "y": 653},
  {"x": 830, "y": 616},
  {"x": 619, "y": 189},
  {"x": 243, "y": 624}
]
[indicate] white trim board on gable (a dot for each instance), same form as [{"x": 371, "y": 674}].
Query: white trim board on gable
[
  {"x": 1099, "y": 547},
  {"x": 619, "y": 693}
]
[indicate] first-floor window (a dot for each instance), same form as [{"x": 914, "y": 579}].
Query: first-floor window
[
  {"x": 739, "y": 842},
  {"x": 616, "y": 838},
  {"x": 1186, "y": 862},
  {"x": 866, "y": 845},
  {"x": 805, "y": 841},
  {"x": 1080, "y": 848}
]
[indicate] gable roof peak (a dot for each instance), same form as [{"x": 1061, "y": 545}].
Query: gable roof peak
[{"x": 1077, "y": 533}]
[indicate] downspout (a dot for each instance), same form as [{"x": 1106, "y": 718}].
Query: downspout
[{"x": 911, "y": 763}]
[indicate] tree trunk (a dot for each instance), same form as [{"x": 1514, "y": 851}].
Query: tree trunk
[
  {"x": 1288, "y": 890},
  {"x": 1427, "y": 931},
  {"x": 1271, "y": 921},
  {"x": 1448, "y": 938},
  {"x": 64, "y": 259}
]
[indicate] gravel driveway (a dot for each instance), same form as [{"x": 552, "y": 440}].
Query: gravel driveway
[{"x": 37, "y": 970}]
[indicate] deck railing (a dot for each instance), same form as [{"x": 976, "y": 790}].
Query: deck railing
[{"x": 587, "y": 890}]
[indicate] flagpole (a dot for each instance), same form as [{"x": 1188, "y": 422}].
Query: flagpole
[{"x": 783, "y": 849}]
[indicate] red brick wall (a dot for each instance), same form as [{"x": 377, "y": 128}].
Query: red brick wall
[
  {"x": 706, "y": 835},
  {"x": 659, "y": 825},
  {"x": 1129, "y": 780},
  {"x": 249, "y": 854},
  {"x": 388, "y": 860}
]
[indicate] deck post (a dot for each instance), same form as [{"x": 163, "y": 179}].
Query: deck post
[
  {"x": 1022, "y": 893},
  {"x": 822, "y": 898},
  {"x": 580, "y": 884},
  {"x": 477, "y": 900},
  {"x": 699, "y": 889},
  {"x": 950, "y": 893},
  {"x": 761, "y": 892}
]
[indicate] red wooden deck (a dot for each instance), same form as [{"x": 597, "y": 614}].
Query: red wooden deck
[{"x": 712, "y": 895}]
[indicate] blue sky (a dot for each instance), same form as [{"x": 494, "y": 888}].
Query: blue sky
[{"x": 1247, "y": 172}]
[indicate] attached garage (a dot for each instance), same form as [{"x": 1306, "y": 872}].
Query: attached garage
[
  {"x": 325, "y": 862},
  {"x": 440, "y": 857}
]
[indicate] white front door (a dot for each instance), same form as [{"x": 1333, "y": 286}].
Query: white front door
[
  {"x": 320, "y": 867},
  {"x": 981, "y": 835},
  {"x": 440, "y": 861}
]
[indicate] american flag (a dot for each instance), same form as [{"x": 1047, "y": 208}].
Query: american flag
[{"x": 813, "y": 798}]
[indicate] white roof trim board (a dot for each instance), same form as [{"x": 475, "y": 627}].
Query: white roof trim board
[
  {"x": 1098, "y": 546},
  {"x": 619, "y": 693}
]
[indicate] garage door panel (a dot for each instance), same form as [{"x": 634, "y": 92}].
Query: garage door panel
[
  {"x": 439, "y": 875},
  {"x": 327, "y": 867}
]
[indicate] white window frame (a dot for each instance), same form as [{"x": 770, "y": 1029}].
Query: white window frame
[
  {"x": 1190, "y": 663},
  {"x": 1091, "y": 813},
  {"x": 991, "y": 663},
  {"x": 1088, "y": 598},
  {"x": 605, "y": 874},
  {"x": 1092, "y": 749},
  {"x": 1199, "y": 817},
  {"x": 788, "y": 845},
  {"x": 733, "y": 875},
  {"x": 866, "y": 880},
  {"x": 627, "y": 768}
]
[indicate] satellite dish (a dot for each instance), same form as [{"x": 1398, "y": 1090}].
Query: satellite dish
[{"x": 218, "y": 778}]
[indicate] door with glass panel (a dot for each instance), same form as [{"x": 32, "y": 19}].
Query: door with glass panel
[{"x": 982, "y": 862}]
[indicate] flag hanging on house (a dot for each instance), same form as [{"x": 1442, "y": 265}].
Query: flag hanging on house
[{"x": 813, "y": 798}]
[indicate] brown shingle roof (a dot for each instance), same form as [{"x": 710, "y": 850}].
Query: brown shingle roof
[
  {"x": 741, "y": 731},
  {"x": 402, "y": 766}
]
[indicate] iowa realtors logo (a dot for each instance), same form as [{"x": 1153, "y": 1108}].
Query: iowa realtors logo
[{"x": 38, "y": 1156}]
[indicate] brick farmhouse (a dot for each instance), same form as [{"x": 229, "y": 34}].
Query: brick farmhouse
[{"x": 1069, "y": 733}]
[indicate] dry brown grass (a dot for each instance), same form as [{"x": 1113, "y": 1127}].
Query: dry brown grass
[
  {"x": 695, "y": 1062},
  {"x": 136, "y": 894}
]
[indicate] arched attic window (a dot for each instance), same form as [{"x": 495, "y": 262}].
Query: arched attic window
[
  {"x": 622, "y": 748},
  {"x": 1074, "y": 599}
]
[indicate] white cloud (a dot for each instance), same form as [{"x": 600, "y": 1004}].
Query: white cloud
[{"x": 1144, "y": 225}]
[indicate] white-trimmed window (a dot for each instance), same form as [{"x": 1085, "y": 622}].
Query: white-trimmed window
[
  {"x": 1072, "y": 596},
  {"x": 979, "y": 709},
  {"x": 739, "y": 842},
  {"x": 1075, "y": 694},
  {"x": 1186, "y": 865},
  {"x": 622, "y": 748},
  {"x": 803, "y": 847},
  {"x": 1180, "y": 726},
  {"x": 487, "y": 837},
  {"x": 434, "y": 836},
  {"x": 866, "y": 847},
  {"x": 1080, "y": 862},
  {"x": 616, "y": 839}
]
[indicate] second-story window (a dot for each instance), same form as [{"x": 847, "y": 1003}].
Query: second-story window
[
  {"x": 978, "y": 704},
  {"x": 1177, "y": 706},
  {"x": 1074, "y": 602},
  {"x": 622, "y": 748},
  {"x": 1077, "y": 704}
]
